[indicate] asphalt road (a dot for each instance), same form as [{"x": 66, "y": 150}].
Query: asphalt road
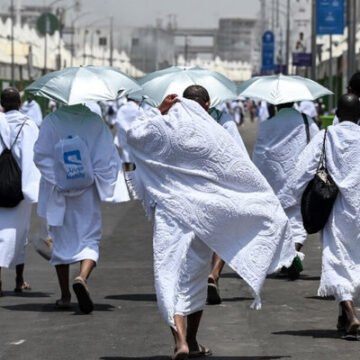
[{"x": 293, "y": 324}]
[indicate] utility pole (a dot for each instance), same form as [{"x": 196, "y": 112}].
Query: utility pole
[
  {"x": 12, "y": 44},
  {"x": 186, "y": 50},
  {"x": 111, "y": 40},
  {"x": 351, "y": 54},
  {"x": 287, "y": 36},
  {"x": 313, "y": 40}
]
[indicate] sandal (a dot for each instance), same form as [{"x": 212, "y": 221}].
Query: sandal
[
  {"x": 202, "y": 351},
  {"x": 213, "y": 293},
  {"x": 83, "y": 296}
]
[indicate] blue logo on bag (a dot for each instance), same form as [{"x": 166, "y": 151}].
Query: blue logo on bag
[
  {"x": 72, "y": 157},
  {"x": 74, "y": 166}
]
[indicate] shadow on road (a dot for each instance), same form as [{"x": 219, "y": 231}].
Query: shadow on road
[
  {"x": 27, "y": 294},
  {"x": 51, "y": 308},
  {"x": 236, "y": 298},
  {"x": 133, "y": 297},
  {"x": 309, "y": 278},
  {"x": 212, "y": 358},
  {"x": 326, "y": 298},
  {"x": 314, "y": 333}
]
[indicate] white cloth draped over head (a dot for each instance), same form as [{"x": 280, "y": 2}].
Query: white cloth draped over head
[
  {"x": 33, "y": 111},
  {"x": 308, "y": 107},
  {"x": 125, "y": 116},
  {"x": 340, "y": 275},
  {"x": 15, "y": 222},
  {"x": 189, "y": 167},
  {"x": 280, "y": 140},
  {"x": 229, "y": 124},
  {"x": 109, "y": 179},
  {"x": 75, "y": 216}
]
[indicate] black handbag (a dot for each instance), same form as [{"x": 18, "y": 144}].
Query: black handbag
[{"x": 319, "y": 196}]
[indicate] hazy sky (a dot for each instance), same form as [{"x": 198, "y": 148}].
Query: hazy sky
[{"x": 195, "y": 13}]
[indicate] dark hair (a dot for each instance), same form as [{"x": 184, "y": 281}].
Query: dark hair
[
  {"x": 197, "y": 93},
  {"x": 354, "y": 84},
  {"x": 348, "y": 108},
  {"x": 285, "y": 105},
  {"x": 10, "y": 99}
]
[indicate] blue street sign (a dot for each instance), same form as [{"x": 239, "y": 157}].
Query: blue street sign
[
  {"x": 268, "y": 50},
  {"x": 330, "y": 17}
]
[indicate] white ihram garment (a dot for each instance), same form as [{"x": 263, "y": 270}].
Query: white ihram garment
[
  {"x": 308, "y": 107},
  {"x": 229, "y": 124},
  {"x": 74, "y": 217},
  {"x": 205, "y": 196},
  {"x": 125, "y": 116},
  {"x": 33, "y": 111},
  {"x": 280, "y": 141},
  {"x": 340, "y": 274},
  {"x": 15, "y": 222}
]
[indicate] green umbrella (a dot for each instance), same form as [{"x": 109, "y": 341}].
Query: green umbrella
[
  {"x": 76, "y": 85},
  {"x": 174, "y": 80},
  {"x": 281, "y": 89}
]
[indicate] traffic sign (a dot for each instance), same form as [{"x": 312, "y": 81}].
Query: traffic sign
[
  {"x": 268, "y": 50},
  {"x": 330, "y": 17},
  {"x": 47, "y": 23}
]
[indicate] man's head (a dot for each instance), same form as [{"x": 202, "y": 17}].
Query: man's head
[
  {"x": 10, "y": 99},
  {"x": 354, "y": 84},
  {"x": 198, "y": 94},
  {"x": 348, "y": 108}
]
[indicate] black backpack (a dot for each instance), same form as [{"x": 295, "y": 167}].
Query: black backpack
[{"x": 10, "y": 177}]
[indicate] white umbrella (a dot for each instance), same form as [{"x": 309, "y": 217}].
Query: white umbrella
[
  {"x": 174, "y": 80},
  {"x": 281, "y": 89},
  {"x": 76, "y": 85}
]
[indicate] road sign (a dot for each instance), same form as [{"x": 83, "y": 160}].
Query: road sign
[
  {"x": 268, "y": 49},
  {"x": 47, "y": 23},
  {"x": 330, "y": 17}
]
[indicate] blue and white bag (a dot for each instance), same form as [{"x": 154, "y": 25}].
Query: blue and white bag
[{"x": 73, "y": 168}]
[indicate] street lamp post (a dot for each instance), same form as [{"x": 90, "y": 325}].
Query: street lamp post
[
  {"x": 111, "y": 40},
  {"x": 351, "y": 54},
  {"x": 72, "y": 35},
  {"x": 12, "y": 45},
  {"x": 287, "y": 36},
  {"x": 84, "y": 45}
]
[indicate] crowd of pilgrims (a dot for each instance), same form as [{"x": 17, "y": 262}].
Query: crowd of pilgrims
[{"x": 209, "y": 201}]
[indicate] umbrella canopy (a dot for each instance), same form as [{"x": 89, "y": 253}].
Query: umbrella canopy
[
  {"x": 174, "y": 80},
  {"x": 281, "y": 89},
  {"x": 76, "y": 85}
]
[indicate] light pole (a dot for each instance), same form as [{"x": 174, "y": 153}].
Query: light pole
[
  {"x": 111, "y": 40},
  {"x": 111, "y": 37},
  {"x": 72, "y": 35},
  {"x": 287, "y": 35},
  {"x": 84, "y": 52},
  {"x": 351, "y": 55},
  {"x": 313, "y": 40},
  {"x": 12, "y": 45}
]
